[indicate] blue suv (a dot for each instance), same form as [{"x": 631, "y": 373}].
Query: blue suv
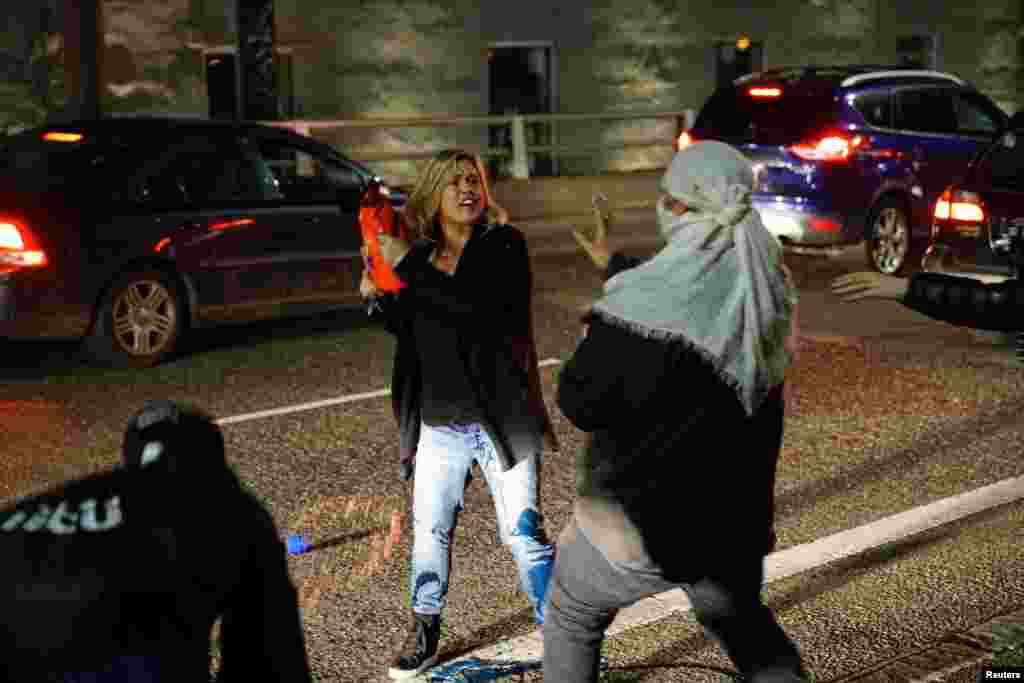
[{"x": 850, "y": 154}]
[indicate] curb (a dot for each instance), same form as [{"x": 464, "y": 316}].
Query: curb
[{"x": 958, "y": 656}]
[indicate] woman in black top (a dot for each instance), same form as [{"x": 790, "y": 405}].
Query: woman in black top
[{"x": 465, "y": 387}]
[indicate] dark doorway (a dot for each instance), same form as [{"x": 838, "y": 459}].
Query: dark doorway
[
  {"x": 220, "y": 85},
  {"x": 736, "y": 59},
  {"x": 521, "y": 82}
]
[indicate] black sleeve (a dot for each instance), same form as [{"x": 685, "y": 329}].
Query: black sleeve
[
  {"x": 620, "y": 262},
  {"x": 500, "y": 302},
  {"x": 261, "y": 631},
  {"x": 589, "y": 386},
  {"x": 967, "y": 302},
  {"x": 388, "y": 309}
]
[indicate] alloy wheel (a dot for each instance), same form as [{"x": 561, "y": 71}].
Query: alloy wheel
[
  {"x": 145, "y": 318},
  {"x": 891, "y": 240}
]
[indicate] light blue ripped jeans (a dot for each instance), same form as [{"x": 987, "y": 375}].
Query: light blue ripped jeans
[{"x": 443, "y": 461}]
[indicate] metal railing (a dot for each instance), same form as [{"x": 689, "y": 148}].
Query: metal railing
[{"x": 520, "y": 150}]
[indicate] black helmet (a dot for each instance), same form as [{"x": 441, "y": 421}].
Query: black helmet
[{"x": 174, "y": 436}]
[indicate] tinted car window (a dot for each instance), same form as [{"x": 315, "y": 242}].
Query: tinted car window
[
  {"x": 875, "y": 107},
  {"x": 204, "y": 171},
  {"x": 36, "y": 161},
  {"x": 926, "y": 110},
  {"x": 974, "y": 115},
  {"x": 1002, "y": 167},
  {"x": 738, "y": 117},
  {"x": 303, "y": 176}
]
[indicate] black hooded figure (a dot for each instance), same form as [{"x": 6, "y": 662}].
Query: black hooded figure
[{"x": 120, "y": 576}]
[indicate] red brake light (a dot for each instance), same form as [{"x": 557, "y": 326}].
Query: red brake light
[
  {"x": 961, "y": 206},
  {"x": 765, "y": 92},
  {"x": 18, "y": 248},
  {"x": 828, "y": 148},
  {"x": 684, "y": 140}
]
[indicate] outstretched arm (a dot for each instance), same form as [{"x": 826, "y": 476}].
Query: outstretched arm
[{"x": 957, "y": 300}]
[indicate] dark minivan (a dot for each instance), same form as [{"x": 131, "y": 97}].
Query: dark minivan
[{"x": 127, "y": 232}]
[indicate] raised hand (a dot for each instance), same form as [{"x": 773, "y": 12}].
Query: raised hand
[{"x": 596, "y": 246}]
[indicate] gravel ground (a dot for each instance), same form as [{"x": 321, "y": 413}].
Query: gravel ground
[{"x": 871, "y": 430}]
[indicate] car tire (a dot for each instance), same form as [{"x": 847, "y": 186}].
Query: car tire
[
  {"x": 887, "y": 244},
  {"x": 139, "y": 322}
]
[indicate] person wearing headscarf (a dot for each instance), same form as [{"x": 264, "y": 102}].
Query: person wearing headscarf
[
  {"x": 465, "y": 387},
  {"x": 678, "y": 382},
  {"x": 119, "y": 577}
]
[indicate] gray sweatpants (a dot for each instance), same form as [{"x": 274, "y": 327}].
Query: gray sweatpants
[{"x": 586, "y": 592}]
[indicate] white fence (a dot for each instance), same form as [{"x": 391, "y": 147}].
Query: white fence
[{"x": 518, "y": 151}]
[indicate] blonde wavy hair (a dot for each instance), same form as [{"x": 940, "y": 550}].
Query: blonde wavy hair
[{"x": 424, "y": 202}]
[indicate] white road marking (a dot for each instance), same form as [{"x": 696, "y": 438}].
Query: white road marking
[
  {"x": 788, "y": 562},
  {"x": 778, "y": 565},
  {"x": 326, "y": 403}
]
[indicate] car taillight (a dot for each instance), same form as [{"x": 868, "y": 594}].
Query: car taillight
[
  {"x": 684, "y": 140},
  {"x": 765, "y": 92},
  {"x": 829, "y": 148},
  {"x": 18, "y": 247},
  {"x": 961, "y": 206}
]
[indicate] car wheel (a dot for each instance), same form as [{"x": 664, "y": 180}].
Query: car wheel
[
  {"x": 888, "y": 240},
  {"x": 139, "y": 322}
]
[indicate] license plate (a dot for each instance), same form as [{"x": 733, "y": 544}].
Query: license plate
[{"x": 968, "y": 230}]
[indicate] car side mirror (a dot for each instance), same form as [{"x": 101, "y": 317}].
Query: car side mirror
[{"x": 1017, "y": 121}]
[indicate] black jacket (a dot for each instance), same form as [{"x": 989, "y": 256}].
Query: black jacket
[
  {"x": 131, "y": 563},
  {"x": 672, "y": 457},
  {"x": 488, "y": 302},
  {"x": 968, "y": 302}
]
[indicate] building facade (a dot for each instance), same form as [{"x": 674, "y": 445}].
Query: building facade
[{"x": 348, "y": 59}]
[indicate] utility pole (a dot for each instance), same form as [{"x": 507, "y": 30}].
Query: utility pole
[
  {"x": 83, "y": 57},
  {"x": 255, "y": 77}
]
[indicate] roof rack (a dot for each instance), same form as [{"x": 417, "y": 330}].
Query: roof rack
[
  {"x": 810, "y": 71},
  {"x": 854, "y": 73},
  {"x": 902, "y": 73}
]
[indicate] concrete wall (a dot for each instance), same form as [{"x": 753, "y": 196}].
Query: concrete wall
[{"x": 419, "y": 57}]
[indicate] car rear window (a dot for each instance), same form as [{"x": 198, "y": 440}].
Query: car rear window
[
  {"x": 38, "y": 162},
  {"x": 735, "y": 116}
]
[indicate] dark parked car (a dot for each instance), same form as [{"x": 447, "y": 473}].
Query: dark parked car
[
  {"x": 127, "y": 232},
  {"x": 978, "y": 224},
  {"x": 851, "y": 154}
]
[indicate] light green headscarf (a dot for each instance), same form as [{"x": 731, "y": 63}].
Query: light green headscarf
[{"x": 718, "y": 283}]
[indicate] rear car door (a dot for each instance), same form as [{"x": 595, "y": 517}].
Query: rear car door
[
  {"x": 221, "y": 232},
  {"x": 318, "y": 200}
]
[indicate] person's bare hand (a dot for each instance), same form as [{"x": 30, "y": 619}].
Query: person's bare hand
[
  {"x": 597, "y": 247},
  {"x": 869, "y": 285},
  {"x": 392, "y": 249}
]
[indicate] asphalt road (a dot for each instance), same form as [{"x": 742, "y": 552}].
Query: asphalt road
[{"x": 889, "y": 411}]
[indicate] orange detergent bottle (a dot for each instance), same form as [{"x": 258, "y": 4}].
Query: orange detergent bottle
[{"x": 377, "y": 216}]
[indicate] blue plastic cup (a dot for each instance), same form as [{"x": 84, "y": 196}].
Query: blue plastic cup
[{"x": 297, "y": 545}]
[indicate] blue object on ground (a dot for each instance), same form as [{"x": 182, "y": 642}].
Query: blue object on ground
[
  {"x": 474, "y": 670},
  {"x": 297, "y": 545}
]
